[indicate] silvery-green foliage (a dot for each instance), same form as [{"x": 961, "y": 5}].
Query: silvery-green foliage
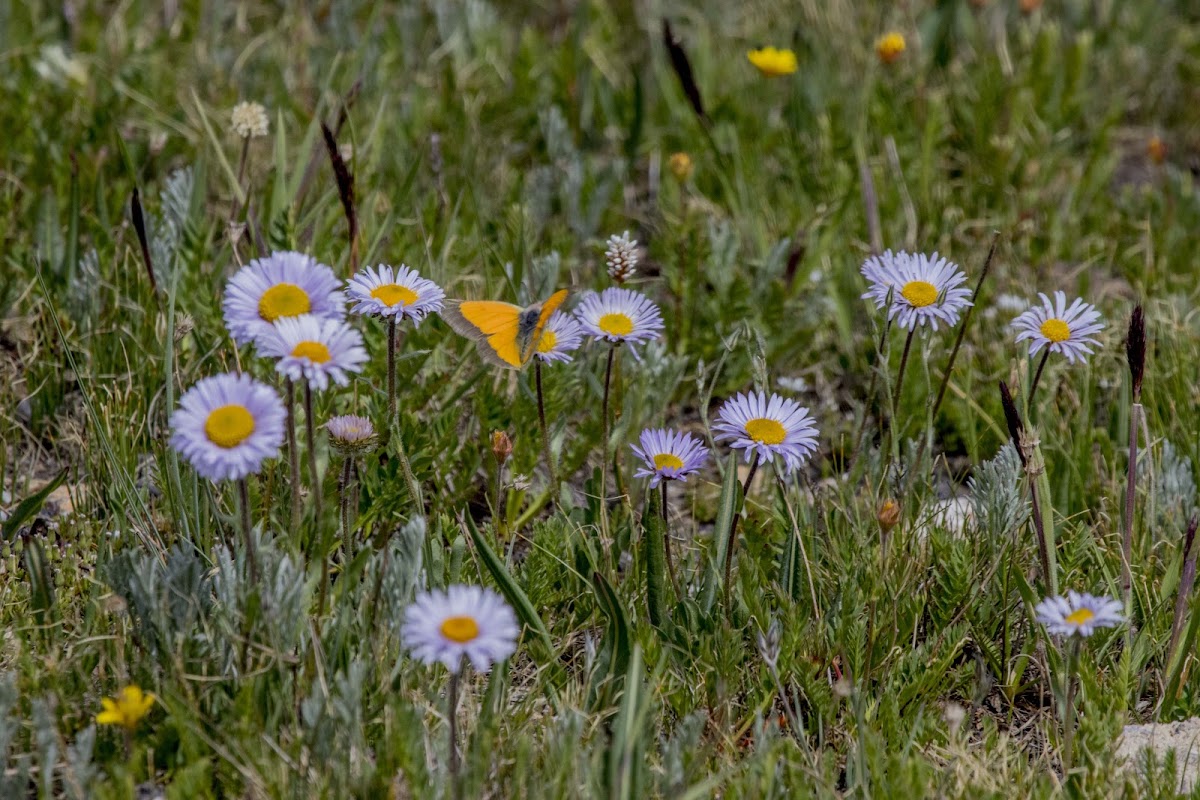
[
  {"x": 542, "y": 275},
  {"x": 721, "y": 265},
  {"x": 333, "y": 721},
  {"x": 998, "y": 503},
  {"x": 282, "y": 594},
  {"x": 1174, "y": 487},
  {"x": 165, "y": 231},
  {"x": 540, "y": 184},
  {"x": 399, "y": 566},
  {"x": 45, "y": 737},
  {"x": 680, "y": 753},
  {"x": 168, "y": 600},
  {"x": 14, "y": 777},
  {"x": 80, "y": 773},
  {"x": 82, "y": 294}
]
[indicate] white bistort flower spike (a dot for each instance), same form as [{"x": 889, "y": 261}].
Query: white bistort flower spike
[
  {"x": 1060, "y": 328},
  {"x": 444, "y": 626},
  {"x": 920, "y": 288}
]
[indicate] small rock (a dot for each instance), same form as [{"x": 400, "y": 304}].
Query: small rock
[{"x": 1182, "y": 737}]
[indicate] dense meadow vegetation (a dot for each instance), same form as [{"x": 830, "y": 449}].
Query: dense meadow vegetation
[{"x": 844, "y": 600}]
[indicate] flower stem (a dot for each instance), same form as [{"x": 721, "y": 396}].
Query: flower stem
[
  {"x": 391, "y": 368},
  {"x": 900, "y": 378},
  {"x": 1037, "y": 377},
  {"x": 293, "y": 453},
  {"x": 310, "y": 430},
  {"x": 666, "y": 518},
  {"x": 546, "y": 452},
  {"x": 608, "y": 369},
  {"x": 452, "y": 718},
  {"x": 733, "y": 525},
  {"x": 1069, "y": 709},
  {"x": 247, "y": 531},
  {"x": 1130, "y": 487}
]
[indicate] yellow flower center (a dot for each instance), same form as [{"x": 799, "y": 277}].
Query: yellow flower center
[
  {"x": 460, "y": 629},
  {"x": 1080, "y": 616},
  {"x": 392, "y": 294},
  {"x": 920, "y": 293},
  {"x": 547, "y": 342},
  {"x": 765, "y": 431},
  {"x": 229, "y": 426},
  {"x": 1056, "y": 330},
  {"x": 665, "y": 460},
  {"x": 616, "y": 324},
  {"x": 313, "y": 351},
  {"x": 283, "y": 300}
]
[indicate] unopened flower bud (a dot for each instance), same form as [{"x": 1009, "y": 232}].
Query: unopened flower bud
[
  {"x": 502, "y": 447},
  {"x": 888, "y": 515}
]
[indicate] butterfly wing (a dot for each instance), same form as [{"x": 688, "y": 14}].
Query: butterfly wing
[
  {"x": 492, "y": 325},
  {"x": 532, "y": 337}
]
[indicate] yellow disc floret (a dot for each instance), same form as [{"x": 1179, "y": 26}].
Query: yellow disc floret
[
  {"x": 1056, "y": 330},
  {"x": 393, "y": 294},
  {"x": 919, "y": 294},
  {"x": 228, "y": 426},
  {"x": 460, "y": 629},
  {"x": 766, "y": 431},
  {"x": 283, "y": 300}
]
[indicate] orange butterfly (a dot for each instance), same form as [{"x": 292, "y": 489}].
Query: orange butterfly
[{"x": 506, "y": 335}]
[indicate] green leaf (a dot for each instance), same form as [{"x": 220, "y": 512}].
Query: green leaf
[
  {"x": 728, "y": 507},
  {"x": 510, "y": 589},
  {"x": 627, "y": 753},
  {"x": 612, "y": 659},
  {"x": 654, "y": 559},
  {"x": 29, "y": 507}
]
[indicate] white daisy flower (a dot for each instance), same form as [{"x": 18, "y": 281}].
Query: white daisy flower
[
  {"x": 397, "y": 292},
  {"x": 227, "y": 425},
  {"x": 561, "y": 335},
  {"x": 922, "y": 288},
  {"x": 1080, "y": 614},
  {"x": 1061, "y": 329},
  {"x": 620, "y": 315},
  {"x": 443, "y": 626},
  {"x": 314, "y": 350},
  {"x": 285, "y": 284},
  {"x": 770, "y": 427}
]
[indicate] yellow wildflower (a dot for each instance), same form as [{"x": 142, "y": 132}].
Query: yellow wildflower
[
  {"x": 890, "y": 46},
  {"x": 127, "y": 709},
  {"x": 773, "y": 62},
  {"x": 681, "y": 166}
]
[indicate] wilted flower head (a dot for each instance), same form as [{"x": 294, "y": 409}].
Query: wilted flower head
[
  {"x": 621, "y": 255},
  {"x": 1156, "y": 149},
  {"x": 888, "y": 515},
  {"x": 681, "y": 166},
  {"x": 350, "y": 434},
  {"x": 773, "y": 62},
  {"x": 1079, "y": 614},
  {"x": 890, "y": 46},
  {"x": 444, "y": 626},
  {"x": 126, "y": 709},
  {"x": 249, "y": 120},
  {"x": 502, "y": 446}
]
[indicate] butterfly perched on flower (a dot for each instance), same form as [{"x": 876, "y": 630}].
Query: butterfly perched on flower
[{"x": 506, "y": 335}]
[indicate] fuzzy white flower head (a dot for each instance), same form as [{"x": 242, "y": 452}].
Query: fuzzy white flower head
[
  {"x": 249, "y": 120},
  {"x": 314, "y": 350},
  {"x": 398, "y": 292},
  {"x": 620, "y": 315},
  {"x": 444, "y": 626},
  {"x": 1060, "y": 328},
  {"x": 561, "y": 336},
  {"x": 920, "y": 288},
  {"x": 769, "y": 427},
  {"x": 285, "y": 284},
  {"x": 621, "y": 256},
  {"x": 227, "y": 425},
  {"x": 1079, "y": 614}
]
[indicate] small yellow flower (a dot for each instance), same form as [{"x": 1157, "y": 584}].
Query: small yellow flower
[
  {"x": 681, "y": 166},
  {"x": 890, "y": 46},
  {"x": 127, "y": 709},
  {"x": 773, "y": 62}
]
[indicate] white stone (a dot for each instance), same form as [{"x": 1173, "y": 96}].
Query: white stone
[{"x": 1182, "y": 737}]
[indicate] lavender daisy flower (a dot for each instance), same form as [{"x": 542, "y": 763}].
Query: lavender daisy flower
[
  {"x": 922, "y": 288},
  {"x": 283, "y": 285},
  {"x": 462, "y": 621},
  {"x": 1079, "y": 614},
  {"x": 400, "y": 292},
  {"x": 770, "y": 427},
  {"x": 315, "y": 350},
  {"x": 227, "y": 425},
  {"x": 620, "y": 315},
  {"x": 1061, "y": 329},
  {"x": 668, "y": 455},
  {"x": 561, "y": 335}
]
